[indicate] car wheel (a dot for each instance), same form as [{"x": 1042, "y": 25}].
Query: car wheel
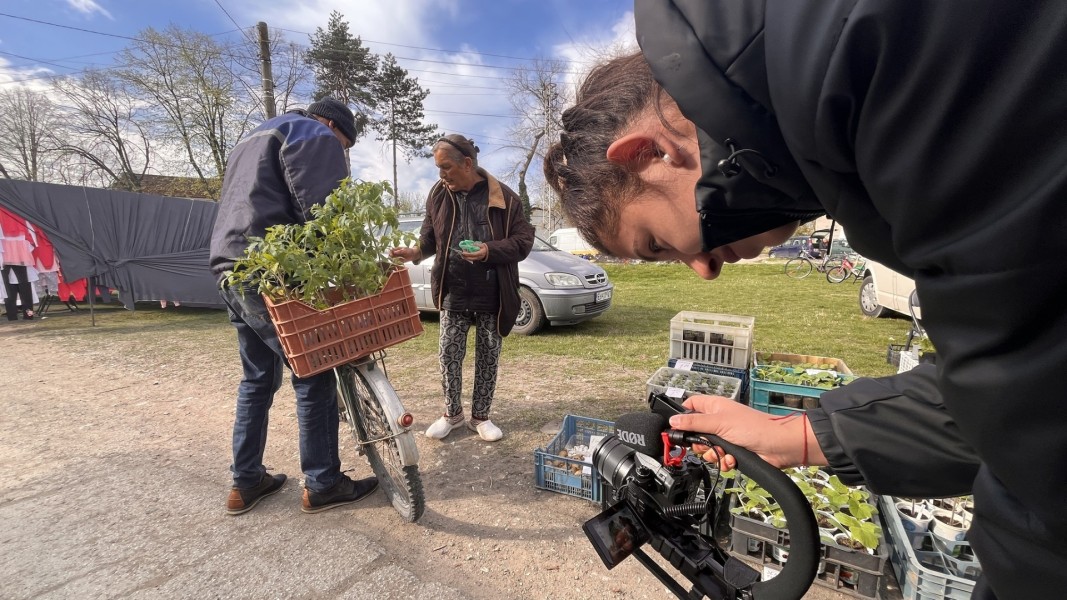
[
  {"x": 869, "y": 299},
  {"x": 531, "y": 316}
]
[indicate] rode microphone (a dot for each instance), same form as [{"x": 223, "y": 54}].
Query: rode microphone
[
  {"x": 650, "y": 434},
  {"x": 643, "y": 432}
]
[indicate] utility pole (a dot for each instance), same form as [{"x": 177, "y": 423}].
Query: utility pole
[{"x": 265, "y": 71}]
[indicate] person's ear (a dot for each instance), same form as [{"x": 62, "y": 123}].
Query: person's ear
[{"x": 632, "y": 150}]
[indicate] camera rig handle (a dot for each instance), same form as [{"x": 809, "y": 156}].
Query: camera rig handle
[{"x": 804, "y": 547}]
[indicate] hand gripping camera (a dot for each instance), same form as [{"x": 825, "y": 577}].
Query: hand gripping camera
[{"x": 660, "y": 495}]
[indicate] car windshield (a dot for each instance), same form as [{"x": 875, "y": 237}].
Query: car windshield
[{"x": 540, "y": 245}]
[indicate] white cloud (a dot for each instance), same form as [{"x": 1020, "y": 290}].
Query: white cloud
[
  {"x": 408, "y": 29},
  {"x": 88, "y": 7},
  {"x": 32, "y": 78}
]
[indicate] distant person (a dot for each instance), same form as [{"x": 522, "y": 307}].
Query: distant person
[
  {"x": 932, "y": 131},
  {"x": 477, "y": 288},
  {"x": 273, "y": 177}
]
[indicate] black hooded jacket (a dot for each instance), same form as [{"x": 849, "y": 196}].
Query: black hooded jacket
[{"x": 935, "y": 132}]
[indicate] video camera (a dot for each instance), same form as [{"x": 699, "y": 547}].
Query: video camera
[{"x": 663, "y": 496}]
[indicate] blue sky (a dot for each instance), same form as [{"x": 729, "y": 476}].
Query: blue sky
[{"x": 451, "y": 46}]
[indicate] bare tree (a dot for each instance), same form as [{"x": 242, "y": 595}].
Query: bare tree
[
  {"x": 537, "y": 97},
  {"x": 189, "y": 80},
  {"x": 105, "y": 128},
  {"x": 292, "y": 75},
  {"x": 28, "y": 123}
]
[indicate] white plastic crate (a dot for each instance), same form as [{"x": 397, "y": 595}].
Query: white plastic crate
[
  {"x": 712, "y": 338},
  {"x": 909, "y": 359}
]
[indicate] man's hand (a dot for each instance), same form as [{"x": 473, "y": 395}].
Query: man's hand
[{"x": 777, "y": 440}]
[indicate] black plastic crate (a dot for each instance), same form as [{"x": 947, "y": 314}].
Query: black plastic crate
[{"x": 841, "y": 577}]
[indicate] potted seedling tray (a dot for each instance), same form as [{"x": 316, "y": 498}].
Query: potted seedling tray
[
  {"x": 680, "y": 383},
  {"x": 781, "y": 390}
]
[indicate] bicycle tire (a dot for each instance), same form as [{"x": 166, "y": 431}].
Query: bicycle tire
[
  {"x": 362, "y": 392},
  {"x": 837, "y": 274},
  {"x": 798, "y": 268}
]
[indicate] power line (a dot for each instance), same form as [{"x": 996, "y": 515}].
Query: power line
[
  {"x": 467, "y": 114},
  {"x": 228, "y": 14},
  {"x": 428, "y": 49}
]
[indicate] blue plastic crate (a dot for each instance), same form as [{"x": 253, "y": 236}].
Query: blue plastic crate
[
  {"x": 566, "y": 475},
  {"x": 771, "y": 396}
]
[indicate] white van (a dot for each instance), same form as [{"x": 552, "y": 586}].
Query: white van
[
  {"x": 568, "y": 240},
  {"x": 883, "y": 290}
]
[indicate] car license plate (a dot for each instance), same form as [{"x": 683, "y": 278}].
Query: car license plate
[{"x": 602, "y": 296}]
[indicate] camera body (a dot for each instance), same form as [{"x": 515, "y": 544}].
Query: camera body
[
  {"x": 657, "y": 494},
  {"x": 662, "y": 497}
]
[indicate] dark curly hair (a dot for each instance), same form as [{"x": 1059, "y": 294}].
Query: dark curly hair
[{"x": 593, "y": 190}]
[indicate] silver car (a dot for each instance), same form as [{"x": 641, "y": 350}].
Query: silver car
[{"x": 557, "y": 288}]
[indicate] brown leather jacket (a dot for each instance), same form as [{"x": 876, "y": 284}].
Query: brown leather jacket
[{"x": 512, "y": 238}]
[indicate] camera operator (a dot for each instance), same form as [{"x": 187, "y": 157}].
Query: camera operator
[{"x": 932, "y": 131}]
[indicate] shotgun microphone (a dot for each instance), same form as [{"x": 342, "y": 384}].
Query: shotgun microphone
[{"x": 643, "y": 432}]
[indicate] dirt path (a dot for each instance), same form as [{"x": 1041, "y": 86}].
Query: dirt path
[{"x": 114, "y": 454}]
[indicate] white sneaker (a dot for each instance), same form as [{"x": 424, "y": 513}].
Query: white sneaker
[
  {"x": 486, "y": 430},
  {"x": 442, "y": 427}
]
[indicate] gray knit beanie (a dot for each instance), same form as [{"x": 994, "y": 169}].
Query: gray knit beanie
[{"x": 336, "y": 111}]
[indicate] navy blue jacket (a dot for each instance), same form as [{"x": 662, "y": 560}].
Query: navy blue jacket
[{"x": 274, "y": 176}]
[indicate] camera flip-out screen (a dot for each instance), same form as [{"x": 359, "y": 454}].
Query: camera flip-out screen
[{"x": 615, "y": 533}]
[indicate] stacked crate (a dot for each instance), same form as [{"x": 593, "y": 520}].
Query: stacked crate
[{"x": 712, "y": 343}]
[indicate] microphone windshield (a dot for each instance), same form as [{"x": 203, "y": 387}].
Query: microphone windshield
[{"x": 641, "y": 431}]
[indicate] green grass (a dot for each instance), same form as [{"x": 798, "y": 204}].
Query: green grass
[{"x": 809, "y": 316}]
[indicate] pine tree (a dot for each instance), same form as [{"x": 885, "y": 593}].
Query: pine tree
[
  {"x": 400, "y": 114},
  {"x": 344, "y": 68}
]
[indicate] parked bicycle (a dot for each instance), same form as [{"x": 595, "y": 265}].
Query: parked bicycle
[
  {"x": 382, "y": 431},
  {"x": 851, "y": 266},
  {"x": 802, "y": 266}
]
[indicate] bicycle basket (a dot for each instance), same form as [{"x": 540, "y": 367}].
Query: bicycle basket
[{"x": 318, "y": 340}]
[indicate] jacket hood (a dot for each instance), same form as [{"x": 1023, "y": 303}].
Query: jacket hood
[{"x": 718, "y": 77}]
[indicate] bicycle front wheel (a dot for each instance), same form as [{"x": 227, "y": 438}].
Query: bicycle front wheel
[
  {"x": 798, "y": 268},
  {"x": 837, "y": 274},
  {"x": 370, "y": 406}
]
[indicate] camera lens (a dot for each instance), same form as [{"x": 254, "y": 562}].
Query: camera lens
[{"x": 614, "y": 460}]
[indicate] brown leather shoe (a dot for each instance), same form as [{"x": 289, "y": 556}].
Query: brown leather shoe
[
  {"x": 244, "y": 500},
  {"x": 345, "y": 491}
]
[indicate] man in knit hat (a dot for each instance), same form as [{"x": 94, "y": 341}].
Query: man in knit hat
[
  {"x": 335, "y": 115},
  {"x": 274, "y": 176}
]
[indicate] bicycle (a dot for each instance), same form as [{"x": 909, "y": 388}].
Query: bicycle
[
  {"x": 802, "y": 266},
  {"x": 382, "y": 431},
  {"x": 847, "y": 269}
]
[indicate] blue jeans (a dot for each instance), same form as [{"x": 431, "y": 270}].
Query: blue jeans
[{"x": 262, "y": 359}]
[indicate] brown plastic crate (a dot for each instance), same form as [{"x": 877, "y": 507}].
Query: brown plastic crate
[{"x": 317, "y": 340}]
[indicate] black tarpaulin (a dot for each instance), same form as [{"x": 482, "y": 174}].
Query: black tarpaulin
[{"x": 148, "y": 247}]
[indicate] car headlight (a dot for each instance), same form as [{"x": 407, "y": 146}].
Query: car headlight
[{"x": 563, "y": 280}]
